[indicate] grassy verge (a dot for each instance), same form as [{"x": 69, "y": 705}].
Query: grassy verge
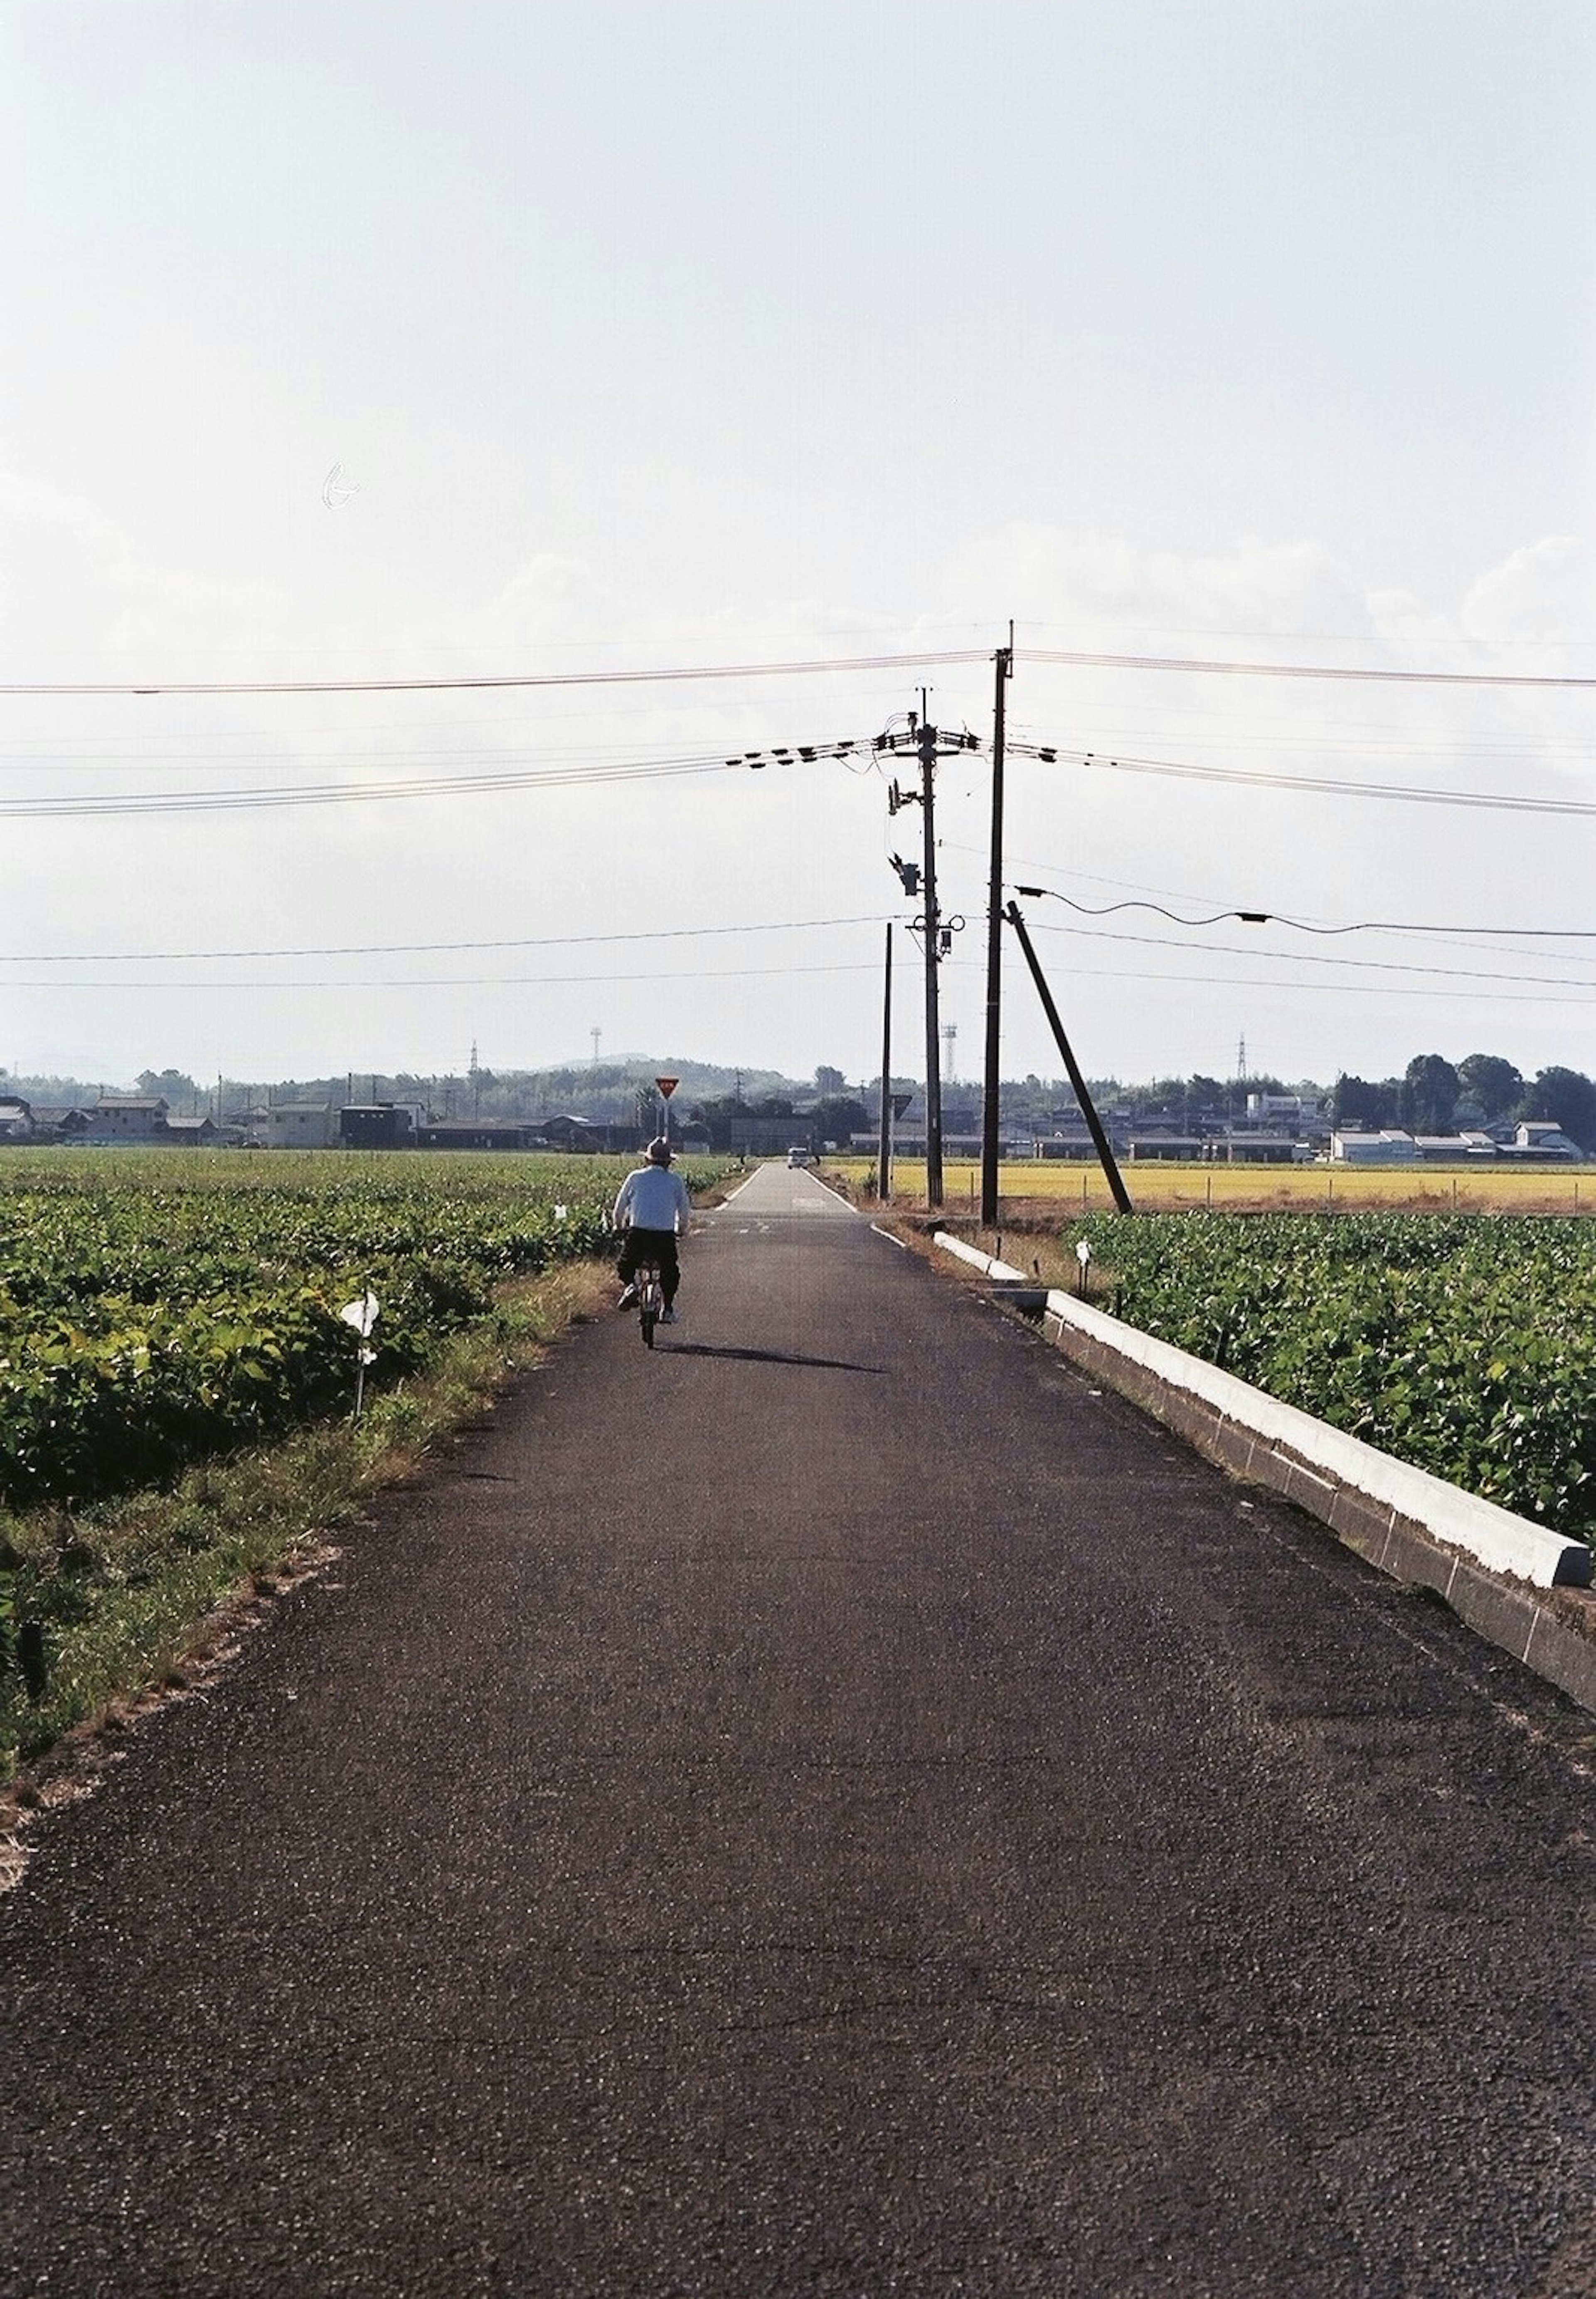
[{"x": 113, "y": 1605}]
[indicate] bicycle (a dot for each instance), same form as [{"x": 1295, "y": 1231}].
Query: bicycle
[{"x": 651, "y": 1300}]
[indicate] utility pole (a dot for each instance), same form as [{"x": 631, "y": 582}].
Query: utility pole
[
  {"x": 927, "y": 752},
  {"x": 928, "y": 745},
  {"x": 884, "y": 1152},
  {"x": 993, "y": 1071}
]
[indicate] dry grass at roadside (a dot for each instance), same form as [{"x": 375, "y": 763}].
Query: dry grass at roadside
[{"x": 139, "y": 1597}]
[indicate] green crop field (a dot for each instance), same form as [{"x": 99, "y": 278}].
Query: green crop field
[
  {"x": 1465, "y": 1344},
  {"x": 159, "y": 1307},
  {"x": 177, "y": 1376}
]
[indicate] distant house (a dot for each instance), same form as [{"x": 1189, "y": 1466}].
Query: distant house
[
  {"x": 1537, "y": 1142},
  {"x": 570, "y": 1132},
  {"x": 61, "y": 1122},
  {"x": 128, "y": 1117},
  {"x": 298, "y": 1125},
  {"x": 1390, "y": 1147},
  {"x": 192, "y": 1132},
  {"x": 1072, "y": 1144},
  {"x": 1279, "y": 1108},
  {"x": 375, "y": 1125},
  {"x": 478, "y": 1134},
  {"x": 16, "y": 1119},
  {"x": 1255, "y": 1147}
]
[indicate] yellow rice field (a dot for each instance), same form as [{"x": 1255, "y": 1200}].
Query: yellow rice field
[{"x": 1038, "y": 1189}]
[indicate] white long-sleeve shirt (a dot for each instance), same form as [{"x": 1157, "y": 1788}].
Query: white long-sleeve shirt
[{"x": 653, "y": 1197}]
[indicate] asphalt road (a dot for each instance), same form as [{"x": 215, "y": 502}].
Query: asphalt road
[{"x": 833, "y": 1806}]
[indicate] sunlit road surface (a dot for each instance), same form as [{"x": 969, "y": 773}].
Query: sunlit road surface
[{"x": 831, "y": 1805}]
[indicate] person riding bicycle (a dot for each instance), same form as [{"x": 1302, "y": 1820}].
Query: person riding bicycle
[{"x": 651, "y": 1208}]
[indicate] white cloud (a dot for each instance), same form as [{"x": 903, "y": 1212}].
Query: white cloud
[{"x": 1544, "y": 592}]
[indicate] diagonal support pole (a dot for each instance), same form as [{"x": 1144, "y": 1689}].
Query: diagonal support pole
[{"x": 1101, "y": 1142}]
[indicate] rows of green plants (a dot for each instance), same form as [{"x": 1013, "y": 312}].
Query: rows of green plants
[
  {"x": 156, "y": 1312},
  {"x": 1465, "y": 1344}
]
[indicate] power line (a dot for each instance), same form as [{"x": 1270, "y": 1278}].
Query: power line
[
  {"x": 1081, "y": 659},
  {"x": 1327, "y": 988},
  {"x": 517, "y": 679},
  {"x": 1318, "y": 785},
  {"x": 1093, "y": 661},
  {"x": 247, "y": 800},
  {"x": 1306, "y": 925},
  {"x": 469, "y": 982},
  {"x": 1313, "y": 958},
  {"x": 422, "y": 949}
]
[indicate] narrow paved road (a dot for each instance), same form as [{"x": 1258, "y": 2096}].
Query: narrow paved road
[{"x": 832, "y": 1807}]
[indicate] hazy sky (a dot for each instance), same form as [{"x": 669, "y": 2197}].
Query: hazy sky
[{"x": 407, "y": 341}]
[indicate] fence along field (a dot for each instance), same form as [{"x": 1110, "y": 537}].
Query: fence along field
[{"x": 161, "y": 1311}]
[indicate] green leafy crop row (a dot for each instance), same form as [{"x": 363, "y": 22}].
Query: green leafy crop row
[
  {"x": 151, "y": 1318},
  {"x": 1464, "y": 1343}
]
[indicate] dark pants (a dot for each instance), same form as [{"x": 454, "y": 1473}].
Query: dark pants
[{"x": 656, "y": 1245}]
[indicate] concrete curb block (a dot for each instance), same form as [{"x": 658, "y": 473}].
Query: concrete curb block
[{"x": 1487, "y": 1564}]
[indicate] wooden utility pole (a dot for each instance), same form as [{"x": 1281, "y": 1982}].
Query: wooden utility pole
[
  {"x": 993, "y": 1073},
  {"x": 884, "y": 1154},
  {"x": 927, "y": 745}
]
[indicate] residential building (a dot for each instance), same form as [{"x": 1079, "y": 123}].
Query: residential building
[
  {"x": 298, "y": 1125},
  {"x": 128, "y": 1117},
  {"x": 1389, "y": 1147}
]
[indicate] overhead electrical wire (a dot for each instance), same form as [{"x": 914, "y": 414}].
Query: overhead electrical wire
[
  {"x": 472, "y": 981},
  {"x": 248, "y": 799},
  {"x": 1080, "y": 658},
  {"x": 479, "y": 681},
  {"x": 678, "y": 933},
  {"x": 1313, "y": 958},
  {"x": 1333, "y": 989},
  {"x": 1307, "y": 925},
  {"x": 1073, "y": 658},
  {"x": 1315, "y": 785},
  {"x": 255, "y": 800},
  {"x": 425, "y": 948}
]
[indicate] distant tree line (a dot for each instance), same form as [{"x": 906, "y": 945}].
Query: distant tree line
[
  {"x": 1435, "y": 1096},
  {"x": 1432, "y": 1096}
]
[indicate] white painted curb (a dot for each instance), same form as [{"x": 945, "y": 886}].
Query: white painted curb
[{"x": 1499, "y": 1540}]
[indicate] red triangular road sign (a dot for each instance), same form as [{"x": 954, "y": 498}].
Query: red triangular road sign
[{"x": 667, "y": 1086}]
